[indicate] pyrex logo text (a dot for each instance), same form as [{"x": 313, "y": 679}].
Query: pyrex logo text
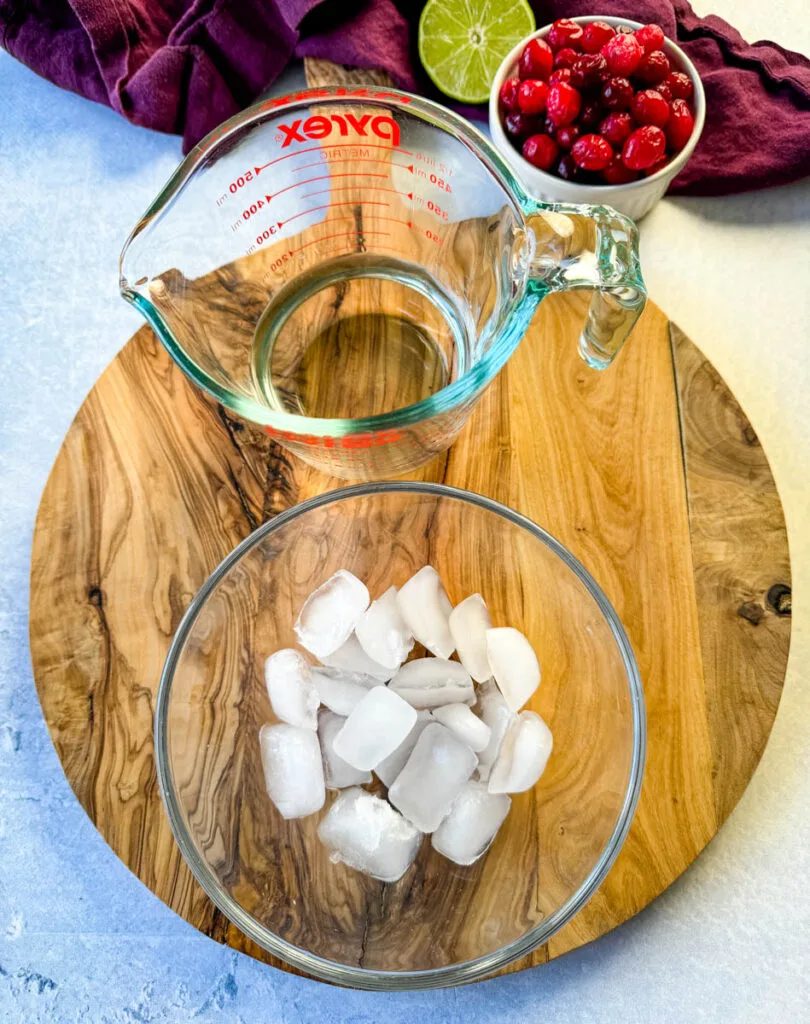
[{"x": 319, "y": 127}]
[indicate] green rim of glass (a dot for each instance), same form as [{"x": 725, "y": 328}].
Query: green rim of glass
[
  {"x": 454, "y": 974},
  {"x": 515, "y": 321}
]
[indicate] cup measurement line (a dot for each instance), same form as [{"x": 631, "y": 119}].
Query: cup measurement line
[
  {"x": 337, "y": 234},
  {"x": 388, "y": 249},
  {"x": 329, "y": 191},
  {"x": 395, "y": 220},
  {"x": 339, "y": 250},
  {"x": 430, "y": 235},
  {"x": 321, "y": 149},
  {"x": 269, "y": 233},
  {"x": 359, "y": 159},
  {"x": 269, "y": 196},
  {"x": 328, "y": 206},
  {"x": 254, "y": 208}
]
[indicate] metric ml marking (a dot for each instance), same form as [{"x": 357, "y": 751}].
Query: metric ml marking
[{"x": 434, "y": 179}]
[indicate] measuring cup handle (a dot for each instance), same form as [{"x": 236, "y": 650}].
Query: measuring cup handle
[{"x": 590, "y": 247}]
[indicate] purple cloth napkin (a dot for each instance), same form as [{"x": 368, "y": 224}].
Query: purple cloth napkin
[{"x": 184, "y": 66}]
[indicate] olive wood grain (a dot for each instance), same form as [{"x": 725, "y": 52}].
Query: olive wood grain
[{"x": 650, "y": 473}]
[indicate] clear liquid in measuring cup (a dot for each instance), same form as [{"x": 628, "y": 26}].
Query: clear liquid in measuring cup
[{"x": 360, "y": 335}]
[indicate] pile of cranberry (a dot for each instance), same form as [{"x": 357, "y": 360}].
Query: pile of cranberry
[{"x": 597, "y": 104}]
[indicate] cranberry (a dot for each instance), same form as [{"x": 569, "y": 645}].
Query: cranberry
[
  {"x": 567, "y": 135},
  {"x": 617, "y": 174},
  {"x": 657, "y": 166},
  {"x": 643, "y": 147},
  {"x": 651, "y": 37},
  {"x": 617, "y": 93},
  {"x": 595, "y": 35},
  {"x": 536, "y": 60},
  {"x": 596, "y": 104},
  {"x": 623, "y": 55},
  {"x": 541, "y": 151},
  {"x": 650, "y": 107},
  {"x": 590, "y": 114},
  {"x": 560, "y": 75},
  {"x": 564, "y": 32},
  {"x": 563, "y": 103},
  {"x": 532, "y": 96},
  {"x": 509, "y": 93},
  {"x": 680, "y": 125},
  {"x": 519, "y": 126},
  {"x": 588, "y": 70},
  {"x": 680, "y": 84},
  {"x": 592, "y": 153},
  {"x": 565, "y": 58},
  {"x": 654, "y": 68},
  {"x": 616, "y": 127},
  {"x": 567, "y": 169}
]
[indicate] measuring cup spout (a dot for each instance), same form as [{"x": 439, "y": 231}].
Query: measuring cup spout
[{"x": 591, "y": 247}]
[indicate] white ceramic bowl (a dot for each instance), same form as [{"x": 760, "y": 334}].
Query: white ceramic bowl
[{"x": 634, "y": 199}]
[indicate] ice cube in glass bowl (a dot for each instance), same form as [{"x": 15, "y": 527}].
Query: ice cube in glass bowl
[{"x": 273, "y": 877}]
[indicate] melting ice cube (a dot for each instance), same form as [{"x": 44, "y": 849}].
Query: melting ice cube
[
  {"x": 366, "y": 833},
  {"x": 339, "y": 690},
  {"x": 524, "y": 754},
  {"x": 432, "y": 682},
  {"x": 329, "y": 613},
  {"x": 376, "y": 727},
  {"x": 469, "y": 828},
  {"x": 293, "y": 773},
  {"x": 469, "y": 622},
  {"x": 388, "y": 769},
  {"x": 463, "y": 723},
  {"x": 426, "y": 609},
  {"x": 514, "y": 665},
  {"x": 295, "y": 700},
  {"x": 338, "y": 773},
  {"x": 382, "y": 632},
  {"x": 496, "y": 714},
  {"x": 432, "y": 778},
  {"x": 351, "y": 657}
]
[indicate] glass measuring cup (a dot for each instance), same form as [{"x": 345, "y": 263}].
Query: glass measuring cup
[{"x": 350, "y": 268}]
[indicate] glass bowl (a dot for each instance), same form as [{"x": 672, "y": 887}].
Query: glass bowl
[{"x": 441, "y": 924}]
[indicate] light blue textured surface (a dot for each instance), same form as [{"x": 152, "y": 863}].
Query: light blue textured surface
[{"x": 80, "y": 938}]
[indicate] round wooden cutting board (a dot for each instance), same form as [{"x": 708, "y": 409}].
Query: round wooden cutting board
[{"x": 649, "y": 472}]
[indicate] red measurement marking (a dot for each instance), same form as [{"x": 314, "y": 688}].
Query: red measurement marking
[
  {"x": 439, "y": 183},
  {"x": 346, "y": 160},
  {"x": 328, "y": 191},
  {"x": 339, "y": 234},
  {"x": 325, "y": 177},
  {"x": 342, "y": 249},
  {"x": 326, "y": 238},
  {"x": 347, "y": 145},
  {"x": 381, "y": 437},
  {"x": 395, "y": 220},
  {"x": 327, "y": 206},
  {"x": 279, "y": 264},
  {"x": 437, "y": 210}
]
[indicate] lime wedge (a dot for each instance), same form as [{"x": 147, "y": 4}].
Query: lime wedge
[{"x": 462, "y": 42}]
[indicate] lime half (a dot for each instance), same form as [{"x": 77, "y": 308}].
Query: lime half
[{"x": 462, "y": 42}]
